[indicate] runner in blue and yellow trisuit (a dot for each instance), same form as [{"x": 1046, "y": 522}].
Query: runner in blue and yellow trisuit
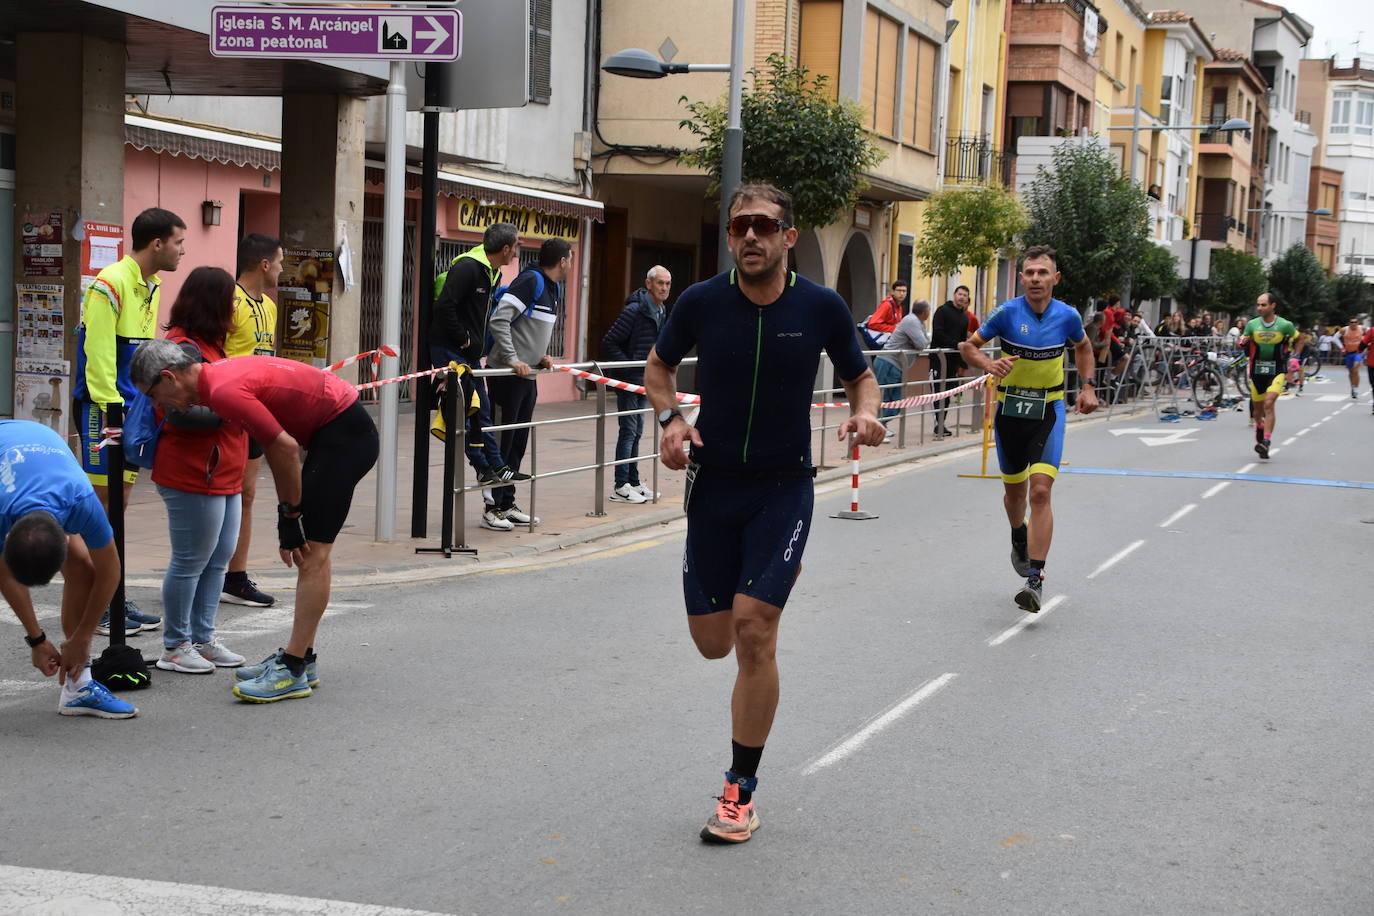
[{"x": 1033, "y": 330}]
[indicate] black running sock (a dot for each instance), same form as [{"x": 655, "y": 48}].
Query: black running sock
[
  {"x": 744, "y": 762},
  {"x": 1019, "y": 535},
  {"x": 235, "y": 577},
  {"x": 294, "y": 663},
  {"x": 1037, "y": 568}
]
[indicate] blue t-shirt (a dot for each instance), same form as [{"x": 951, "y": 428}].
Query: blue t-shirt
[
  {"x": 38, "y": 471},
  {"x": 756, "y": 367},
  {"x": 1039, "y": 339}
]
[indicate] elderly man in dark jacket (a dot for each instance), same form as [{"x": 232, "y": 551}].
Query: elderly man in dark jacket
[{"x": 632, "y": 337}]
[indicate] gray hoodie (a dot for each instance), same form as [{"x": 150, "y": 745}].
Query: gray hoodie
[{"x": 515, "y": 336}]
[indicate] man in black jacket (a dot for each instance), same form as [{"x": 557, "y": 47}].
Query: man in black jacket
[
  {"x": 948, "y": 329},
  {"x": 632, "y": 337},
  {"x": 457, "y": 333}
]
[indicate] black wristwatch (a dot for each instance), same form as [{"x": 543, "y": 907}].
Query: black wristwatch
[
  {"x": 665, "y": 416},
  {"x": 36, "y": 641},
  {"x": 286, "y": 510}
]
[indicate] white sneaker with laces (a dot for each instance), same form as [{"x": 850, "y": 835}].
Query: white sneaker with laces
[
  {"x": 216, "y": 654},
  {"x": 519, "y": 516},
  {"x": 627, "y": 494},
  {"x": 646, "y": 492},
  {"x": 494, "y": 519},
  {"x": 186, "y": 659}
]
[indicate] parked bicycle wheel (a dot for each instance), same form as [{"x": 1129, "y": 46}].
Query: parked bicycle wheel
[
  {"x": 1208, "y": 387},
  {"x": 1240, "y": 379},
  {"x": 1311, "y": 366}
]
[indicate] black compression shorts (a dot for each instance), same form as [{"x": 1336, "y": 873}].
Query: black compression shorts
[{"x": 341, "y": 453}]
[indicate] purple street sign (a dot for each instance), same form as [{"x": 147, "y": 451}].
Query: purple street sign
[{"x": 314, "y": 33}]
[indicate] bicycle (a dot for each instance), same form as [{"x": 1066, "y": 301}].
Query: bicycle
[{"x": 1195, "y": 371}]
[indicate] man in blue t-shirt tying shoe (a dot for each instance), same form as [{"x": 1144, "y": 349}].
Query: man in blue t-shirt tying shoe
[
  {"x": 758, "y": 330},
  {"x": 1033, "y": 332}
]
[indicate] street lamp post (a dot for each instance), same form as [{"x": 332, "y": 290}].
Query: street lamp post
[
  {"x": 641, "y": 64},
  {"x": 1265, "y": 212},
  {"x": 1136, "y": 127}
]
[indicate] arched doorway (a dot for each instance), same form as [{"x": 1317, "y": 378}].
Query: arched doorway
[
  {"x": 857, "y": 282},
  {"x": 807, "y": 258}
]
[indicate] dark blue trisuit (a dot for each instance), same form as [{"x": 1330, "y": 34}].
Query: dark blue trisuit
[{"x": 749, "y": 510}]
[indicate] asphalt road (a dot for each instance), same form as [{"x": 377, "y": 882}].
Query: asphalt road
[{"x": 1186, "y": 730}]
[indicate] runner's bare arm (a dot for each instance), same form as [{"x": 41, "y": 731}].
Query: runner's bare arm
[
  {"x": 1087, "y": 367},
  {"x": 660, "y": 382},
  {"x": 972, "y": 352},
  {"x": 284, "y": 458},
  {"x": 863, "y": 410}
]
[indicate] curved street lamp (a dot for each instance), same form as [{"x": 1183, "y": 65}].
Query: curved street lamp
[{"x": 640, "y": 64}]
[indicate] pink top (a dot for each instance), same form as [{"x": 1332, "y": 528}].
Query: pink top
[{"x": 266, "y": 394}]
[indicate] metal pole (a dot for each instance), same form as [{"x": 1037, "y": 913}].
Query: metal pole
[
  {"x": 1135, "y": 142},
  {"x": 732, "y": 147},
  {"x": 429, "y": 194},
  {"x": 599, "y": 490},
  {"x": 114, "y": 479},
  {"x": 393, "y": 225}
]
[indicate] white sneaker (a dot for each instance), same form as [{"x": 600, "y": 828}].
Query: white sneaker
[
  {"x": 494, "y": 519},
  {"x": 519, "y": 516},
  {"x": 186, "y": 659},
  {"x": 646, "y": 492},
  {"x": 889, "y": 433},
  {"x": 627, "y": 494},
  {"x": 216, "y": 654}
]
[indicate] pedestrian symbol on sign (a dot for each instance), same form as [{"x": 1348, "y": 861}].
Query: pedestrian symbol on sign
[{"x": 395, "y": 34}]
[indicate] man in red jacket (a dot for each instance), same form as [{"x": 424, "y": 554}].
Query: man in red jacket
[{"x": 287, "y": 406}]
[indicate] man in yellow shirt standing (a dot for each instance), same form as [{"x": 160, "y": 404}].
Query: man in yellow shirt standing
[
  {"x": 118, "y": 313},
  {"x": 254, "y": 334}
]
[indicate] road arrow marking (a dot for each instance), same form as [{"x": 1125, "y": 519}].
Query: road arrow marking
[
  {"x": 437, "y": 32},
  {"x": 1154, "y": 437}
]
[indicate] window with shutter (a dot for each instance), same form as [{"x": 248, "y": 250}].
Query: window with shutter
[{"x": 541, "y": 50}]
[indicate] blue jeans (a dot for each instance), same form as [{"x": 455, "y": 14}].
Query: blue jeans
[
  {"x": 204, "y": 531},
  {"x": 627, "y": 443},
  {"x": 479, "y": 445},
  {"x": 890, "y": 377}
]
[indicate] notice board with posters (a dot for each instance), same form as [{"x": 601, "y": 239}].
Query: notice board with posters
[{"x": 303, "y": 298}]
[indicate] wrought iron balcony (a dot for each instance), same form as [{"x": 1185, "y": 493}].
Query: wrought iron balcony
[{"x": 971, "y": 159}]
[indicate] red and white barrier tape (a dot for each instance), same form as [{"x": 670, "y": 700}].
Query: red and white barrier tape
[{"x": 915, "y": 401}]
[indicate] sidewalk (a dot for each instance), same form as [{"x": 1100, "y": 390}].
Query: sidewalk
[{"x": 564, "y": 503}]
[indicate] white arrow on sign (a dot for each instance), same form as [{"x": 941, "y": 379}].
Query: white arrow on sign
[
  {"x": 437, "y": 32},
  {"x": 1153, "y": 437}
]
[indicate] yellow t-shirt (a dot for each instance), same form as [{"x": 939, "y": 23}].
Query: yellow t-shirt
[{"x": 255, "y": 326}]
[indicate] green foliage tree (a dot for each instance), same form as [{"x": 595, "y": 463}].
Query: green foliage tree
[
  {"x": 1093, "y": 217},
  {"x": 1300, "y": 282},
  {"x": 1155, "y": 275},
  {"x": 797, "y": 135},
  {"x": 1236, "y": 281},
  {"x": 967, "y": 228},
  {"x": 1350, "y": 295}
]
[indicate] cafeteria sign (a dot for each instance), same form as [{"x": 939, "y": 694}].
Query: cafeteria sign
[{"x": 475, "y": 217}]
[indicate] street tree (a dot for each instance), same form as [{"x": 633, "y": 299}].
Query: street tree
[
  {"x": 1095, "y": 219},
  {"x": 967, "y": 227},
  {"x": 1156, "y": 275},
  {"x": 1300, "y": 282},
  {"x": 797, "y": 135},
  {"x": 1236, "y": 281},
  {"x": 1350, "y": 296}
]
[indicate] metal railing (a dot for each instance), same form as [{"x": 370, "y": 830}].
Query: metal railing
[{"x": 973, "y": 160}]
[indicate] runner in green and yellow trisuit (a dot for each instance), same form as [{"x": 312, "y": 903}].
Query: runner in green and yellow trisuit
[{"x": 1266, "y": 339}]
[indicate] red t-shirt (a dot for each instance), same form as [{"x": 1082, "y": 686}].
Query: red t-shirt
[
  {"x": 207, "y": 461},
  {"x": 267, "y": 394},
  {"x": 973, "y": 323},
  {"x": 1368, "y": 342}
]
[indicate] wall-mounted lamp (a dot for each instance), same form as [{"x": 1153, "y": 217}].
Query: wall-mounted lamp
[{"x": 209, "y": 212}]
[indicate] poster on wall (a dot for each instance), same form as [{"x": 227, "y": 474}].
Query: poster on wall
[
  {"x": 41, "y": 235},
  {"x": 40, "y": 330},
  {"x": 42, "y": 391},
  {"x": 101, "y": 245},
  {"x": 303, "y": 293}
]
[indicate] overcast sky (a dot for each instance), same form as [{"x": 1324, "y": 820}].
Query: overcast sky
[{"x": 1336, "y": 25}]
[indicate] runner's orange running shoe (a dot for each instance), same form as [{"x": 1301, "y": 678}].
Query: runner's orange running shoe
[{"x": 732, "y": 821}]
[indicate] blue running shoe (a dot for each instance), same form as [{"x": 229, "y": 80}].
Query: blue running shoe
[
  {"x": 95, "y": 700},
  {"x": 131, "y": 626},
  {"x": 275, "y": 683},
  {"x": 253, "y": 672},
  {"x": 146, "y": 621}
]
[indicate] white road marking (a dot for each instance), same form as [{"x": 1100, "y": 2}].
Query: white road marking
[
  {"x": 41, "y": 890},
  {"x": 861, "y": 737},
  {"x": 1027, "y": 620},
  {"x": 1302, "y": 432},
  {"x": 1223, "y": 485},
  {"x": 1247, "y": 469},
  {"x": 261, "y": 620},
  {"x": 1155, "y": 437},
  {"x": 1329, "y": 397},
  {"x": 1290, "y": 440},
  {"x": 1116, "y": 558},
  {"x": 1178, "y": 515}
]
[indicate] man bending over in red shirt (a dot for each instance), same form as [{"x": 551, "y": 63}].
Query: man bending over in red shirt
[{"x": 287, "y": 406}]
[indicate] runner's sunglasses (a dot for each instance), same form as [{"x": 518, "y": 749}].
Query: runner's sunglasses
[{"x": 762, "y": 225}]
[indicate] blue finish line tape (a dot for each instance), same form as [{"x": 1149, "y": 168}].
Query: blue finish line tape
[{"x": 1211, "y": 475}]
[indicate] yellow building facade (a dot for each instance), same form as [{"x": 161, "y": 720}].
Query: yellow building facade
[{"x": 971, "y": 151}]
